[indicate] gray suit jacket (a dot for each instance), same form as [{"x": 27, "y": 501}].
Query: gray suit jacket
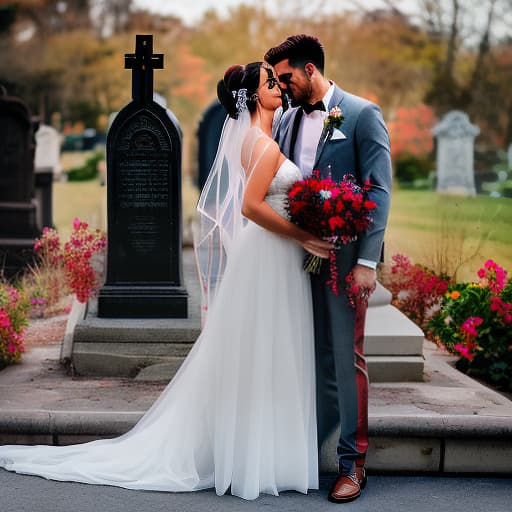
[{"x": 365, "y": 153}]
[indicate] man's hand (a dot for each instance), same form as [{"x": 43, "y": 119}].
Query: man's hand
[{"x": 365, "y": 280}]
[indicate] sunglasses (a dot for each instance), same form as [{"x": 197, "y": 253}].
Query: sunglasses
[{"x": 272, "y": 82}]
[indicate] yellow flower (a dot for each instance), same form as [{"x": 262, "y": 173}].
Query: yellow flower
[{"x": 455, "y": 295}]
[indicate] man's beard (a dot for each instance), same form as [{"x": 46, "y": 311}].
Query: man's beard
[{"x": 303, "y": 96}]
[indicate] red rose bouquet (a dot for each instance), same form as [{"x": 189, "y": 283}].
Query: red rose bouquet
[{"x": 337, "y": 212}]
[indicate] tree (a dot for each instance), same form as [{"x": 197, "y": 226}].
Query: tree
[{"x": 468, "y": 31}]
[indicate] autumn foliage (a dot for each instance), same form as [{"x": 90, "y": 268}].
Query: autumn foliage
[{"x": 410, "y": 131}]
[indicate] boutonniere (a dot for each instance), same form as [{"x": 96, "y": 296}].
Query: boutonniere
[
  {"x": 332, "y": 123},
  {"x": 334, "y": 118}
]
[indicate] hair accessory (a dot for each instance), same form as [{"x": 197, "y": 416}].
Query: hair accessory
[{"x": 241, "y": 100}]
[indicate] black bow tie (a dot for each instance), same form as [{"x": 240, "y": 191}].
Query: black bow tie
[{"x": 319, "y": 105}]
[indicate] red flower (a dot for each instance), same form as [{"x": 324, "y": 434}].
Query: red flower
[
  {"x": 330, "y": 210},
  {"x": 336, "y": 222}
]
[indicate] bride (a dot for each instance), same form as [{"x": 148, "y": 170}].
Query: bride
[{"x": 240, "y": 413}]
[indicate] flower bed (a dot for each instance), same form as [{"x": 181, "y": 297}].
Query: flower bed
[
  {"x": 475, "y": 322},
  {"x": 14, "y": 309},
  {"x": 60, "y": 270},
  {"x": 472, "y": 320}
]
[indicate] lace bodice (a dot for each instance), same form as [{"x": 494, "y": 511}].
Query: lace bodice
[{"x": 287, "y": 174}]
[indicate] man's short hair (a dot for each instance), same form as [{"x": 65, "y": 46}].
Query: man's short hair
[{"x": 299, "y": 50}]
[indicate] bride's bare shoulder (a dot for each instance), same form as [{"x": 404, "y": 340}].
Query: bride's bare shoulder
[{"x": 256, "y": 146}]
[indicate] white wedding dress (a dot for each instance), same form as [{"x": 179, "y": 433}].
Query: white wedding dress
[{"x": 240, "y": 412}]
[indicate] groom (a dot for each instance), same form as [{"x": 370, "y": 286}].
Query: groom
[{"x": 360, "y": 147}]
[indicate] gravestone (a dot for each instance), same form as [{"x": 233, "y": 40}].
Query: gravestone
[
  {"x": 48, "y": 144},
  {"x": 18, "y": 226},
  {"x": 144, "y": 268},
  {"x": 208, "y": 134},
  {"x": 47, "y": 169},
  {"x": 455, "y": 154}
]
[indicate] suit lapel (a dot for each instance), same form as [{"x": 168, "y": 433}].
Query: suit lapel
[
  {"x": 295, "y": 131},
  {"x": 336, "y": 99}
]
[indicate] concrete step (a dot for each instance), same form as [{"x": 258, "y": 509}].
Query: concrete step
[
  {"x": 388, "y": 332},
  {"x": 395, "y": 368},
  {"x": 99, "y": 362},
  {"x": 128, "y": 347}
]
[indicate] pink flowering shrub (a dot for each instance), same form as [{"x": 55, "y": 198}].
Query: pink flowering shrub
[
  {"x": 417, "y": 291},
  {"x": 475, "y": 322},
  {"x": 45, "y": 284},
  {"x": 74, "y": 258},
  {"x": 14, "y": 309}
]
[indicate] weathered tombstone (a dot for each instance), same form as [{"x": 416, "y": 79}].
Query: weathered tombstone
[
  {"x": 144, "y": 268},
  {"x": 455, "y": 154},
  {"x": 48, "y": 143},
  {"x": 18, "y": 226},
  {"x": 208, "y": 134},
  {"x": 47, "y": 169}
]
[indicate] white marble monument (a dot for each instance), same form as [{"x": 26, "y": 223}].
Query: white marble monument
[
  {"x": 455, "y": 154},
  {"x": 47, "y": 155}
]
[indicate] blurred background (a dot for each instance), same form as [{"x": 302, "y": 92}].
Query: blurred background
[{"x": 418, "y": 59}]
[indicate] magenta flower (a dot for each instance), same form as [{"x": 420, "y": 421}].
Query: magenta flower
[
  {"x": 493, "y": 276},
  {"x": 5, "y": 320},
  {"x": 470, "y": 325},
  {"x": 464, "y": 351}
]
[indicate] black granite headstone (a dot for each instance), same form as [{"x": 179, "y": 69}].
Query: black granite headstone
[
  {"x": 18, "y": 224},
  {"x": 208, "y": 134},
  {"x": 144, "y": 268}
]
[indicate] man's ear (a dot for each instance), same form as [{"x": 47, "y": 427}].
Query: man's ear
[{"x": 309, "y": 68}]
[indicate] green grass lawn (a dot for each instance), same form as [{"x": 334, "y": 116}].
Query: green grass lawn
[
  {"x": 446, "y": 232},
  {"x": 87, "y": 200},
  {"x": 442, "y": 232}
]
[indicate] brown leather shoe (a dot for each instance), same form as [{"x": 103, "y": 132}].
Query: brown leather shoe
[{"x": 345, "y": 489}]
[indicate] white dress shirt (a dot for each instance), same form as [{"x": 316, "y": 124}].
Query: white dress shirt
[{"x": 308, "y": 137}]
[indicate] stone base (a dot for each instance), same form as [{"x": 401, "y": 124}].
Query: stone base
[
  {"x": 131, "y": 301},
  {"x": 18, "y": 231},
  {"x": 15, "y": 255}
]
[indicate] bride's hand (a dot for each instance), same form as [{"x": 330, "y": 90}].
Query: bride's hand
[{"x": 317, "y": 247}]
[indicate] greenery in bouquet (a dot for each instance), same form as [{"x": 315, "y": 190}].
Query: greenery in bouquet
[
  {"x": 335, "y": 211},
  {"x": 14, "y": 310},
  {"x": 475, "y": 322}
]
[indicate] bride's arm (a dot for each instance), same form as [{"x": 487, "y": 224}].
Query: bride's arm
[{"x": 255, "y": 208}]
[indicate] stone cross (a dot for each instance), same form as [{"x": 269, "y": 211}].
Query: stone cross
[
  {"x": 455, "y": 154},
  {"x": 142, "y": 63},
  {"x": 144, "y": 261}
]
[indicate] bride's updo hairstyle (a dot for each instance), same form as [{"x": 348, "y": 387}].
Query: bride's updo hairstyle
[{"x": 238, "y": 78}]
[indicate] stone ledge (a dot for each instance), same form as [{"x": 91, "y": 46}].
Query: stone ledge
[
  {"x": 397, "y": 443},
  {"x": 114, "y": 423}
]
